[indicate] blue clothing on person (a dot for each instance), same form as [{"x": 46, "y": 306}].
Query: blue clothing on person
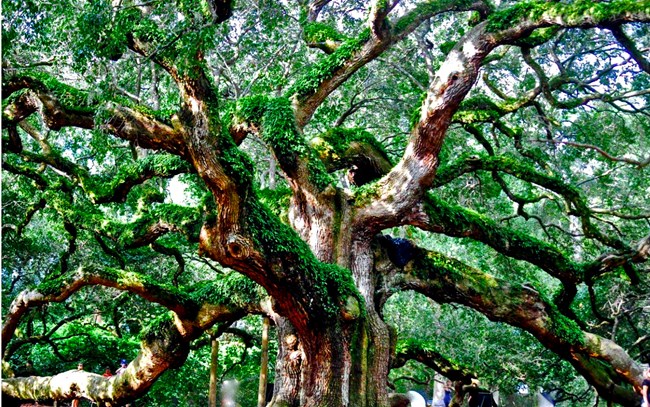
[{"x": 447, "y": 398}]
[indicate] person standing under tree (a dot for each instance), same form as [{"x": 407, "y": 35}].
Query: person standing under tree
[
  {"x": 76, "y": 402},
  {"x": 107, "y": 372},
  {"x": 448, "y": 387},
  {"x": 645, "y": 389},
  {"x": 122, "y": 367}
]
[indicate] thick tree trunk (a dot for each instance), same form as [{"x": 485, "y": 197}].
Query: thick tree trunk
[
  {"x": 339, "y": 366},
  {"x": 343, "y": 361}
]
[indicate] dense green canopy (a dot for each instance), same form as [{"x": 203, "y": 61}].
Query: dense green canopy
[{"x": 404, "y": 187}]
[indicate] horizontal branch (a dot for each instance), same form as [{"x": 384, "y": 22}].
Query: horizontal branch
[
  {"x": 151, "y": 166},
  {"x": 456, "y": 221},
  {"x": 576, "y": 202},
  {"x": 62, "y": 288},
  {"x": 425, "y": 353},
  {"x": 165, "y": 343},
  {"x": 642, "y": 163},
  {"x": 604, "y": 364},
  {"x": 66, "y": 106}
]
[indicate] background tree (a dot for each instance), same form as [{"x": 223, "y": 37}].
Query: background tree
[{"x": 170, "y": 168}]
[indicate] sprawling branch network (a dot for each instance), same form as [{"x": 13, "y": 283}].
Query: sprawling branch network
[{"x": 323, "y": 276}]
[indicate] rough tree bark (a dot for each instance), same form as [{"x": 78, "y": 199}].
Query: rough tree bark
[{"x": 335, "y": 348}]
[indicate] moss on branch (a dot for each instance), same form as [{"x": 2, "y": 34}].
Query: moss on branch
[
  {"x": 446, "y": 279},
  {"x": 229, "y": 289},
  {"x": 327, "y": 66},
  {"x": 150, "y": 223},
  {"x": 427, "y": 9},
  {"x": 334, "y": 145},
  {"x": 324, "y": 288},
  {"x": 574, "y": 197},
  {"x": 160, "y": 219},
  {"x": 457, "y": 221},
  {"x": 71, "y": 98},
  {"x": 318, "y": 32},
  {"x": 478, "y": 109},
  {"x": 276, "y": 119},
  {"x": 573, "y": 14},
  {"x": 76, "y": 101},
  {"x": 277, "y": 200}
]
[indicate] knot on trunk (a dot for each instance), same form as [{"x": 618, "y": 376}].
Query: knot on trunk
[
  {"x": 350, "y": 310},
  {"x": 238, "y": 247}
]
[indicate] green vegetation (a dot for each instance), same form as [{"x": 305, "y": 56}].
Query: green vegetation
[
  {"x": 335, "y": 142},
  {"x": 572, "y": 13},
  {"x": 275, "y": 116},
  {"x": 429, "y": 8},
  {"x": 315, "y": 32},
  {"x": 183, "y": 166},
  {"x": 326, "y": 66},
  {"x": 332, "y": 284},
  {"x": 232, "y": 288}
]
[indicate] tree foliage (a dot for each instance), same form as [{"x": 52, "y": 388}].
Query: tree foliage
[{"x": 403, "y": 187}]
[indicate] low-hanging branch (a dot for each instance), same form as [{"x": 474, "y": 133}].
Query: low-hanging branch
[
  {"x": 604, "y": 364},
  {"x": 165, "y": 343},
  {"x": 164, "y": 346},
  {"x": 60, "y": 289},
  {"x": 425, "y": 353}
]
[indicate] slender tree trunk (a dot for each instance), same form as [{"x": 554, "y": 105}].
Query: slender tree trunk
[
  {"x": 272, "y": 169},
  {"x": 155, "y": 97},
  {"x": 214, "y": 360},
  {"x": 264, "y": 368}
]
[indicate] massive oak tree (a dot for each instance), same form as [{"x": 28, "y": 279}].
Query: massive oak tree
[{"x": 310, "y": 138}]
